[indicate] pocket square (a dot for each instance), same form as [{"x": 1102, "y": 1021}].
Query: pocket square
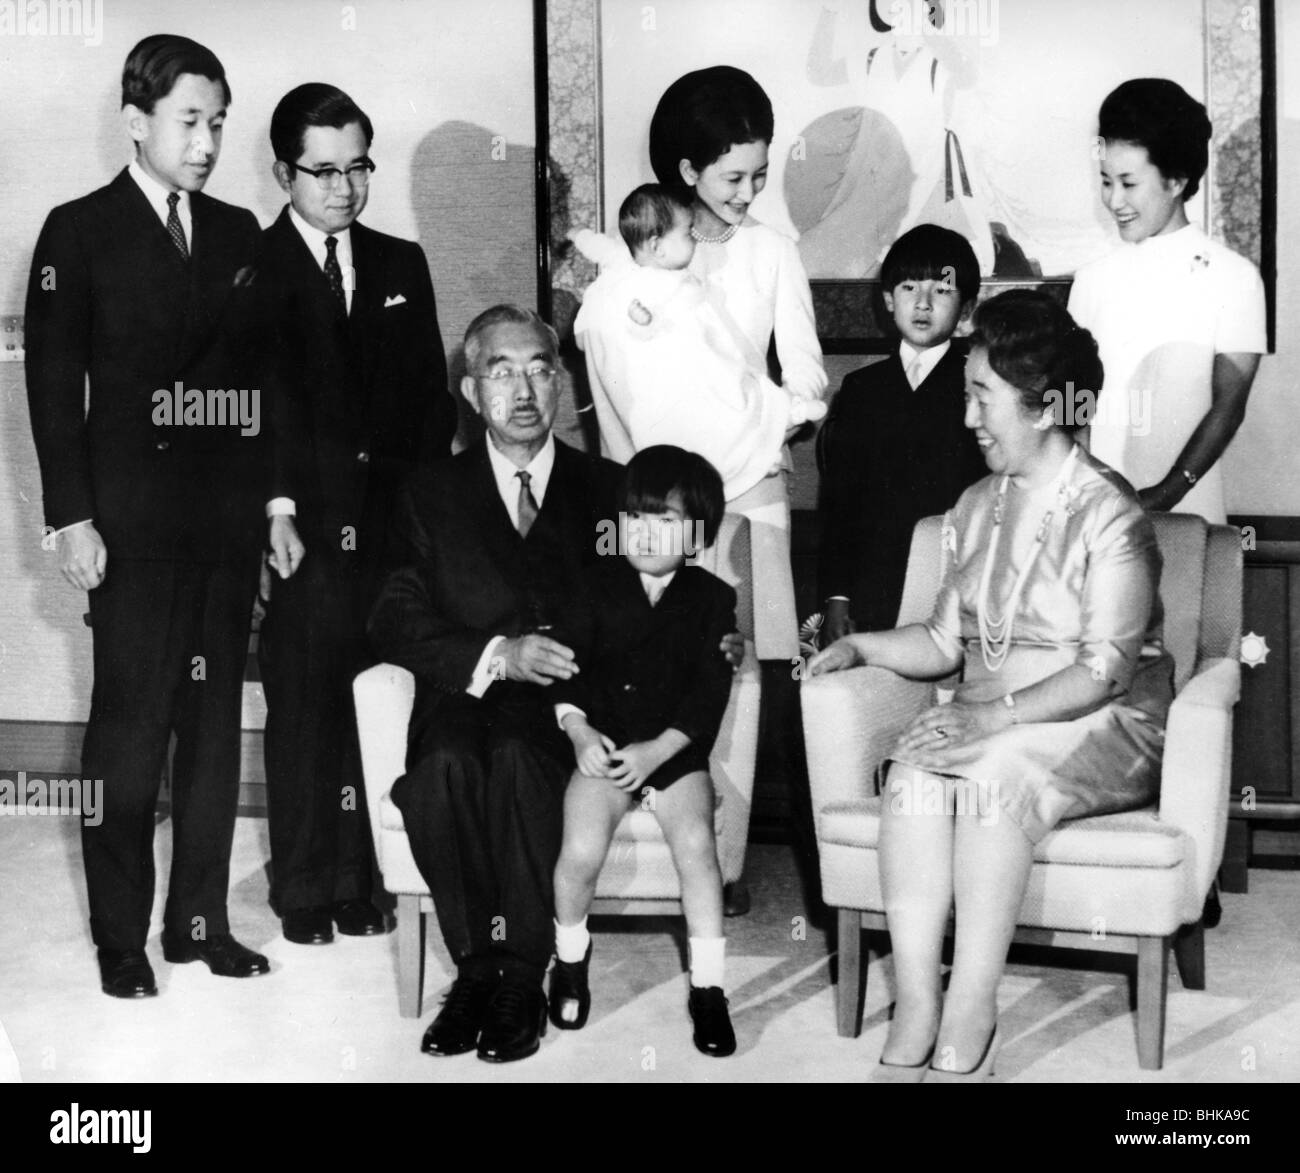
[{"x": 396, "y": 299}]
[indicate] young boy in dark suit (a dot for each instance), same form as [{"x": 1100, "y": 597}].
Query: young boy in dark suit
[
  {"x": 155, "y": 494},
  {"x": 894, "y": 448},
  {"x": 643, "y": 711}
]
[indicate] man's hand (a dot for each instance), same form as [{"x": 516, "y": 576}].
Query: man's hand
[
  {"x": 83, "y": 557},
  {"x": 836, "y": 622},
  {"x": 287, "y": 549},
  {"x": 591, "y": 747},
  {"x": 733, "y": 647},
  {"x": 536, "y": 659}
]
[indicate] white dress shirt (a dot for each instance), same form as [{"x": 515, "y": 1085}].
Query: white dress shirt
[
  {"x": 503, "y": 473},
  {"x": 926, "y": 360}
]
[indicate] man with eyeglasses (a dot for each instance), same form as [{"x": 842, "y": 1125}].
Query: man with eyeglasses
[
  {"x": 357, "y": 386},
  {"x": 494, "y": 539}
]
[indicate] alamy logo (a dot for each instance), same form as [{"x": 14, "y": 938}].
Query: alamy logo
[
  {"x": 214, "y": 407},
  {"x": 80, "y": 1125},
  {"x": 53, "y": 18},
  {"x": 50, "y": 797}
]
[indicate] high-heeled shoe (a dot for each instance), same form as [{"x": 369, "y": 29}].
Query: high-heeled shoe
[
  {"x": 981, "y": 1071},
  {"x": 901, "y": 1072}
]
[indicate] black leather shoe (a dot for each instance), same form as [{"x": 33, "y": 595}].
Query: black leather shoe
[
  {"x": 570, "y": 997},
  {"x": 515, "y": 1021},
  {"x": 308, "y": 926},
  {"x": 126, "y": 973},
  {"x": 359, "y": 918},
  {"x": 222, "y": 954},
  {"x": 456, "y": 1029},
  {"x": 713, "y": 1033}
]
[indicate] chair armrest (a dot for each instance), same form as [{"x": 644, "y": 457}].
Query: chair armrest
[
  {"x": 1196, "y": 773},
  {"x": 385, "y": 696},
  {"x": 851, "y": 720}
]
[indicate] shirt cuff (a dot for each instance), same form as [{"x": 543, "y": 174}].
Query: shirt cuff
[
  {"x": 841, "y": 598},
  {"x": 563, "y": 710},
  {"x": 281, "y": 507},
  {"x": 63, "y": 529},
  {"x": 488, "y": 668}
]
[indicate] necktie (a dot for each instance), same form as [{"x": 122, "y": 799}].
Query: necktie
[
  {"x": 914, "y": 373},
  {"x": 527, "y": 504},
  {"x": 334, "y": 274},
  {"x": 174, "y": 229}
]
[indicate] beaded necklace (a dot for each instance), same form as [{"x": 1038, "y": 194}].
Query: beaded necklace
[
  {"x": 995, "y": 631},
  {"x": 720, "y": 239}
]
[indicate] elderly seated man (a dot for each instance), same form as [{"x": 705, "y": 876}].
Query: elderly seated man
[{"x": 490, "y": 542}]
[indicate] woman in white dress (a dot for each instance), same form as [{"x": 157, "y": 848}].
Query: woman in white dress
[
  {"x": 709, "y": 136},
  {"x": 1179, "y": 317}
]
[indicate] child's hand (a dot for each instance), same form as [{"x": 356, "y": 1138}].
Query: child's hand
[
  {"x": 634, "y": 763},
  {"x": 591, "y": 747}
]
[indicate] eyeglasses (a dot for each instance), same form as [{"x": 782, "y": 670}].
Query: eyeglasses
[
  {"x": 537, "y": 375},
  {"x": 358, "y": 175}
]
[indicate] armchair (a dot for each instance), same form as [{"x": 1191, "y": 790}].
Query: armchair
[
  {"x": 638, "y": 877},
  {"x": 1134, "y": 882}
]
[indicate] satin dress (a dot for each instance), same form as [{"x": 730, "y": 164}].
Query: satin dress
[{"x": 1091, "y": 598}]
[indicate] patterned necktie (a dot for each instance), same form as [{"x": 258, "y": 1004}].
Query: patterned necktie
[
  {"x": 527, "y": 504},
  {"x": 333, "y": 274},
  {"x": 174, "y": 229}
]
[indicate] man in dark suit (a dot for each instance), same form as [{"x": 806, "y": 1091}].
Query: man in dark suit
[
  {"x": 359, "y": 386},
  {"x": 154, "y": 493},
  {"x": 493, "y": 543}
]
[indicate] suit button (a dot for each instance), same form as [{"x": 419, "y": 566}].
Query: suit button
[
  {"x": 162, "y": 445},
  {"x": 363, "y": 457},
  {"x": 629, "y": 688}
]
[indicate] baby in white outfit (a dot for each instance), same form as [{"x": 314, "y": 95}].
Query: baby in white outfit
[{"x": 666, "y": 363}]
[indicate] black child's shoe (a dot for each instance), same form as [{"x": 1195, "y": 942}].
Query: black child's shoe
[
  {"x": 713, "y": 1033},
  {"x": 570, "y": 996}
]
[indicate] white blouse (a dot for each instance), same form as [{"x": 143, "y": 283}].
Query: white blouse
[{"x": 1161, "y": 310}]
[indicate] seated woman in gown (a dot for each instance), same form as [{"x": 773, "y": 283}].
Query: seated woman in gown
[{"x": 1049, "y": 604}]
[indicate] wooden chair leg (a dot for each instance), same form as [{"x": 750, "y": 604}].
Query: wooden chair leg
[
  {"x": 1152, "y": 975},
  {"x": 848, "y": 993},
  {"x": 410, "y": 956},
  {"x": 1189, "y": 953}
]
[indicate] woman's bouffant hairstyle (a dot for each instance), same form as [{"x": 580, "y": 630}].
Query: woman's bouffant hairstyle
[
  {"x": 1034, "y": 344},
  {"x": 1160, "y": 115},
  {"x": 654, "y": 473},
  {"x": 702, "y": 115}
]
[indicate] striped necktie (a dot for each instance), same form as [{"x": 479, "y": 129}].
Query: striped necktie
[{"x": 174, "y": 229}]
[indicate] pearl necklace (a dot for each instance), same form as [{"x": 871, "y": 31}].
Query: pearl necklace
[
  {"x": 721, "y": 239},
  {"x": 995, "y": 631}
]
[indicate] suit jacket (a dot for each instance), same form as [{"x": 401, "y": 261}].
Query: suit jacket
[
  {"x": 645, "y": 669},
  {"x": 112, "y": 299},
  {"x": 358, "y": 400},
  {"x": 465, "y": 575},
  {"x": 889, "y": 456}
]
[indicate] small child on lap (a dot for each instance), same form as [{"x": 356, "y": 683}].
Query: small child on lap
[
  {"x": 894, "y": 448},
  {"x": 642, "y": 714}
]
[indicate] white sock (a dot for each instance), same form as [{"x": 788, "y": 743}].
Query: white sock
[
  {"x": 571, "y": 941},
  {"x": 706, "y": 955}
]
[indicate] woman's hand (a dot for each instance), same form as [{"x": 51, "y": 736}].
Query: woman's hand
[
  {"x": 947, "y": 735},
  {"x": 843, "y": 653}
]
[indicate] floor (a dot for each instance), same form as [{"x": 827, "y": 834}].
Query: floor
[{"x": 330, "y": 1014}]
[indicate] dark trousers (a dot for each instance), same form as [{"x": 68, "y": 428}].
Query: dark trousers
[
  {"x": 483, "y": 803},
  {"x": 170, "y": 643},
  {"x": 311, "y": 645}
]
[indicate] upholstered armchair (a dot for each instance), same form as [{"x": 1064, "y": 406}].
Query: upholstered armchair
[
  {"x": 638, "y": 877},
  {"x": 1134, "y": 882}
]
